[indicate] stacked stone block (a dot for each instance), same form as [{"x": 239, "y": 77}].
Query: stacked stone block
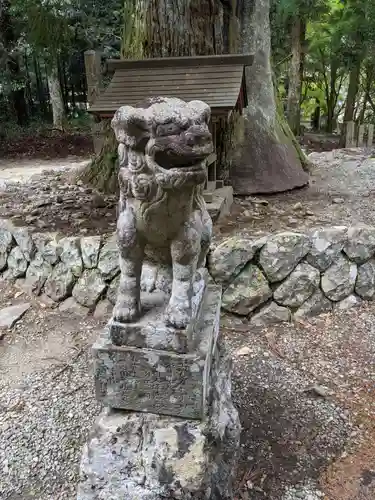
[
  {"x": 273, "y": 278},
  {"x": 294, "y": 275}
]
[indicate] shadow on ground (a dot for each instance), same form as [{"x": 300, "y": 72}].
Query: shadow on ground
[{"x": 290, "y": 434}]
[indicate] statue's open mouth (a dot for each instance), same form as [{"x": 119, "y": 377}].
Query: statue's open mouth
[
  {"x": 189, "y": 161},
  {"x": 186, "y": 151}
]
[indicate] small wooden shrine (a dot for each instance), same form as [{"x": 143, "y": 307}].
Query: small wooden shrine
[{"x": 218, "y": 80}]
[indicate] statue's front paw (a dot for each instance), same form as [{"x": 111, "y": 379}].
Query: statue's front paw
[
  {"x": 178, "y": 315},
  {"x": 125, "y": 312}
]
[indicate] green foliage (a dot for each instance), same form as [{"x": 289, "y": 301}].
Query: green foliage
[
  {"x": 79, "y": 121},
  {"x": 340, "y": 34},
  {"x": 46, "y": 34},
  {"x": 326, "y": 65},
  {"x": 11, "y": 131},
  {"x": 305, "y": 9},
  {"x": 98, "y": 25},
  {"x": 282, "y": 14},
  {"x": 50, "y": 28}
]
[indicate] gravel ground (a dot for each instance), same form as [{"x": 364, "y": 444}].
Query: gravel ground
[
  {"x": 44, "y": 423},
  {"x": 341, "y": 191},
  {"x": 304, "y": 393},
  {"x": 45, "y": 196},
  {"x": 306, "y": 397},
  {"x": 47, "y": 403}
]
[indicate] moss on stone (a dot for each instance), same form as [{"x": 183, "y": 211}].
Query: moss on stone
[
  {"x": 285, "y": 130},
  {"x": 102, "y": 171}
]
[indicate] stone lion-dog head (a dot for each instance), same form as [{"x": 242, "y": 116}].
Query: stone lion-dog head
[{"x": 162, "y": 142}]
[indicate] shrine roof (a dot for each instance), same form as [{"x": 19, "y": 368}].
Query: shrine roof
[{"x": 217, "y": 80}]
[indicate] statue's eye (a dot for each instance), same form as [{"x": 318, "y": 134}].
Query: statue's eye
[{"x": 168, "y": 129}]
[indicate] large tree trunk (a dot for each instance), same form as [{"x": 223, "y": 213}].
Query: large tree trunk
[
  {"x": 351, "y": 98},
  {"x": 295, "y": 75},
  {"x": 269, "y": 160},
  {"x": 181, "y": 28},
  {"x": 41, "y": 103},
  {"x": 361, "y": 116},
  {"x": 8, "y": 40},
  {"x": 161, "y": 28},
  {"x": 57, "y": 103},
  {"x": 315, "y": 117},
  {"x": 370, "y": 68},
  {"x": 367, "y": 91},
  {"x": 18, "y": 95},
  {"x": 331, "y": 102}
]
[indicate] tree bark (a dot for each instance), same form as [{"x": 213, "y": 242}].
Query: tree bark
[
  {"x": 295, "y": 75},
  {"x": 159, "y": 28},
  {"x": 8, "y": 39},
  {"x": 180, "y": 28},
  {"x": 18, "y": 95},
  {"x": 368, "y": 85},
  {"x": 40, "y": 89},
  {"x": 362, "y": 113},
  {"x": 351, "y": 98},
  {"x": 315, "y": 117},
  {"x": 269, "y": 160},
  {"x": 57, "y": 103}
]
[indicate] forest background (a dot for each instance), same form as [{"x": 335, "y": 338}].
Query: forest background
[{"x": 322, "y": 58}]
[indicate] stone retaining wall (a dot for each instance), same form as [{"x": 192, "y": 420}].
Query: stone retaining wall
[
  {"x": 77, "y": 273},
  {"x": 269, "y": 280},
  {"x": 296, "y": 275}
]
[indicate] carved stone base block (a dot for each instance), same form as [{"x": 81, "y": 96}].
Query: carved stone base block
[
  {"x": 160, "y": 381},
  {"x": 151, "y": 332},
  {"x": 141, "y": 456}
]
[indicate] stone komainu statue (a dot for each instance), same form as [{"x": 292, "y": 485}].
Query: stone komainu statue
[{"x": 163, "y": 221}]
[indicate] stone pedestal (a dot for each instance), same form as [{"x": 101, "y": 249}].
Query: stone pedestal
[
  {"x": 170, "y": 429},
  {"x": 139, "y": 378},
  {"x": 181, "y": 439},
  {"x": 143, "y": 456},
  {"x": 151, "y": 332}
]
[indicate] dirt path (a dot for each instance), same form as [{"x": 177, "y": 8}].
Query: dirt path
[
  {"x": 43, "y": 338},
  {"x": 22, "y": 171},
  {"x": 45, "y": 196},
  {"x": 341, "y": 191}
]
